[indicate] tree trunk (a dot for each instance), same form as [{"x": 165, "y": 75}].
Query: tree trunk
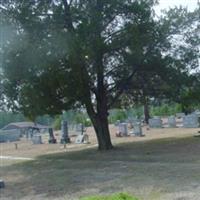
[
  {"x": 146, "y": 111},
  {"x": 99, "y": 120},
  {"x": 102, "y": 131}
]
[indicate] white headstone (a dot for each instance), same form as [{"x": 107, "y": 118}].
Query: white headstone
[{"x": 82, "y": 139}]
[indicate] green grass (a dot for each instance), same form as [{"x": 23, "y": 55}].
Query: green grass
[{"x": 121, "y": 196}]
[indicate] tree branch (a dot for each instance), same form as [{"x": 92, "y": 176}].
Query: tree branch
[
  {"x": 121, "y": 86},
  {"x": 68, "y": 18}
]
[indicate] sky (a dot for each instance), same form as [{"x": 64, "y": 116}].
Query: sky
[{"x": 165, "y": 4}]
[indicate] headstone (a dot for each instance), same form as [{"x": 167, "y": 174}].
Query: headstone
[
  {"x": 123, "y": 129},
  {"x": 80, "y": 129},
  {"x": 172, "y": 122},
  {"x": 180, "y": 115},
  {"x": 2, "y": 184},
  {"x": 137, "y": 129},
  {"x": 37, "y": 139},
  {"x": 64, "y": 130},
  {"x": 155, "y": 122},
  {"x": 191, "y": 121},
  {"x": 52, "y": 139},
  {"x": 82, "y": 139}
]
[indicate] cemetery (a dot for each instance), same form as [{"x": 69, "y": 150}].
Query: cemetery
[
  {"x": 74, "y": 137},
  {"x": 133, "y": 160},
  {"x": 27, "y": 147},
  {"x": 99, "y": 100}
]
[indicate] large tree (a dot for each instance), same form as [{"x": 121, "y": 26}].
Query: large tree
[{"x": 72, "y": 53}]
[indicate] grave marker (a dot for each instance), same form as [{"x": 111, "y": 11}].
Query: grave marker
[
  {"x": 52, "y": 139},
  {"x": 172, "y": 122},
  {"x": 82, "y": 139},
  {"x": 137, "y": 129},
  {"x": 155, "y": 122},
  {"x": 123, "y": 129},
  {"x": 37, "y": 139},
  {"x": 2, "y": 184},
  {"x": 191, "y": 121},
  {"x": 64, "y": 130}
]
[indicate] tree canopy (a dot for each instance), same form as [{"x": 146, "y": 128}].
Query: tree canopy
[{"x": 72, "y": 53}]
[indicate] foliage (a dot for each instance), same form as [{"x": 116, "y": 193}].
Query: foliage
[
  {"x": 57, "y": 122},
  {"x": 121, "y": 196},
  {"x": 7, "y": 117},
  {"x": 77, "y": 117},
  {"x": 117, "y": 114},
  {"x": 165, "y": 110}
]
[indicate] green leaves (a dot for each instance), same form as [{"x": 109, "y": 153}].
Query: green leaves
[
  {"x": 69, "y": 53},
  {"x": 121, "y": 196}
]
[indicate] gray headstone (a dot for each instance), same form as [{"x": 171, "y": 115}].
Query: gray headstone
[
  {"x": 155, "y": 122},
  {"x": 137, "y": 129},
  {"x": 37, "y": 139},
  {"x": 64, "y": 131},
  {"x": 2, "y": 184},
  {"x": 191, "y": 121},
  {"x": 172, "y": 121},
  {"x": 123, "y": 129}
]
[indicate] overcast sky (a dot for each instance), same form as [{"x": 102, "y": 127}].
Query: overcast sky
[{"x": 165, "y": 4}]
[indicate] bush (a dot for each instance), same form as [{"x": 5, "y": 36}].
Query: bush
[
  {"x": 121, "y": 196},
  {"x": 165, "y": 110},
  {"x": 117, "y": 114}
]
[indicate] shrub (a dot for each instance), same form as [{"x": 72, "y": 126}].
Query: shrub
[
  {"x": 117, "y": 114},
  {"x": 121, "y": 196}
]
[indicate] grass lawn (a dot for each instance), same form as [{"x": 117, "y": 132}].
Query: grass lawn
[
  {"x": 166, "y": 169},
  {"x": 120, "y": 196}
]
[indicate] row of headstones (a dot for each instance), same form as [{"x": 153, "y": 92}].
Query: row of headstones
[
  {"x": 81, "y": 138},
  {"x": 189, "y": 121},
  {"x": 123, "y": 129}
]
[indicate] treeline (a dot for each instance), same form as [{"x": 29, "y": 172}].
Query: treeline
[
  {"x": 76, "y": 117},
  {"x": 9, "y": 117}
]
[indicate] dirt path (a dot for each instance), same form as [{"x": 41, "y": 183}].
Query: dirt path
[{"x": 14, "y": 158}]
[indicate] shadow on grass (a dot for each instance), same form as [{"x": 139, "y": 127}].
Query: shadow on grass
[{"x": 105, "y": 172}]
